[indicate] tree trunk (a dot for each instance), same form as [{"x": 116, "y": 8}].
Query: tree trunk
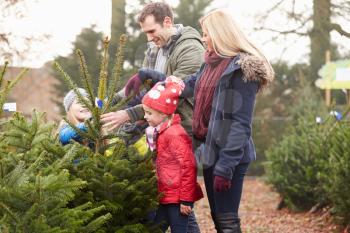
[{"x": 320, "y": 35}]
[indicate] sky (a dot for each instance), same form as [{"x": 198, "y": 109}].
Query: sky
[{"x": 64, "y": 19}]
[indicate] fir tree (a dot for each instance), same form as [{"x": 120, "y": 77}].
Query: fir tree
[
  {"x": 36, "y": 187},
  {"x": 124, "y": 182},
  {"x": 6, "y": 86}
]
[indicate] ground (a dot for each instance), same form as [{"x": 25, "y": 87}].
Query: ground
[{"x": 259, "y": 214}]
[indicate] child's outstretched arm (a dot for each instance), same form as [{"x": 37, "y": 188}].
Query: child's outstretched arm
[{"x": 67, "y": 133}]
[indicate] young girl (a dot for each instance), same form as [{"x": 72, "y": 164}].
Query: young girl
[
  {"x": 76, "y": 114},
  {"x": 175, "y": 162}
]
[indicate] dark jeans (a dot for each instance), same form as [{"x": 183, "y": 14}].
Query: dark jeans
[
  {"x": 170, "y": 215},
  {"x": 192, "y": 224},
  {"x": 226, "y": 201}
]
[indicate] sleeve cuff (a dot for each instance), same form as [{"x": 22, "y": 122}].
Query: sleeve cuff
[
  {"x": 224, "y": 172},
  {"x": 135, "y": 113},
  {"x": 187, "y": 203}
]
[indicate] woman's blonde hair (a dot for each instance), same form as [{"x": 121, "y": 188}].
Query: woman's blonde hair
[{"x": 226, "y": 36}]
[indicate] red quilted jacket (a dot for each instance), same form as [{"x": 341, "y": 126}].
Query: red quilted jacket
[{"x": 176, "y": 165}]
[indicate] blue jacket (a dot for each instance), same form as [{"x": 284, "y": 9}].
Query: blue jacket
[
  {"x": 229, "y": 139},
  {"x": 67, "y": 133}
]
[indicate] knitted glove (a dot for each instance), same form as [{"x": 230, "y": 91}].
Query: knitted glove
[
  {"x": 151, "y": 75},
  {"x": 133, "y": 84},
  {"x": 221, "y": 184},
  {"x": 141, "y": 77}
]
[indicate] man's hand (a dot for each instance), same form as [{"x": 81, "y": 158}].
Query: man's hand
[
  {"x": 113, "y": 120},
  {"x": 133, "y": 84},
  {"x": 221, "y": 184},
  {"x": 185, "y": 210}
]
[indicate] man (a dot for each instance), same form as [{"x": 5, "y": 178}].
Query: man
[{"x": 172, "y": 50}]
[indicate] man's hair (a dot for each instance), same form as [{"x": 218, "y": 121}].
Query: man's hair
[{"x": 159, "y": 10}]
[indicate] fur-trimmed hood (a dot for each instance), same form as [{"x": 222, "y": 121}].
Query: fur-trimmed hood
[{"x": 255, "y": 69}]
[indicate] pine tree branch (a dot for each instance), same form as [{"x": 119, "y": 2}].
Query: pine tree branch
[
  {"x": 3, "y": 73},
  {"x": 101, "y": 94},
  {"x": 68, "y": 80},
  {"x": 114, "y": 84},
  {"x": 11, "y": 214},
  {"x": 87, "y": 81}
]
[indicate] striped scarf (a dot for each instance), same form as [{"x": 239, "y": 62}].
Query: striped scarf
[
  {"x": 216, "y": 65},
  {"x": 151, "y": 137}
]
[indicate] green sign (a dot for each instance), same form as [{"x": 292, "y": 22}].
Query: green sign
[{"x": 334, "y": 75}]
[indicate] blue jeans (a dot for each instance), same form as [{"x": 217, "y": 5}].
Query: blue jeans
[
  {"x": 227, "y": 201},
  {"x": 192, "y": 224},
  {"x": 170, "y": 215}
]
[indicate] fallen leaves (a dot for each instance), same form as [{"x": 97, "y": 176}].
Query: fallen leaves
[{"x": 259, "y": 214}]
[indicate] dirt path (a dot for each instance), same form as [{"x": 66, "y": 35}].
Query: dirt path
[{"x": 259, "y": 214}]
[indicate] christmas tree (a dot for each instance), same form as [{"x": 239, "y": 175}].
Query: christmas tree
[
  {"x": 7, "y": 85},
  {"x": 124, "y": 181},
  {"x": 47, "y": 187},
  {"x": 35, "y": 186}
]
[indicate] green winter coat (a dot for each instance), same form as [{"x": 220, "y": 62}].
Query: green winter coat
[{"x": 185, "y": 57}]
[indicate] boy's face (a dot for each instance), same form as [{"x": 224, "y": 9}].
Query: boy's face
[
  {"x": 153, "y": 117},
  {"x": 155, "y": 32},
  {"x": 78, "y": 111}
]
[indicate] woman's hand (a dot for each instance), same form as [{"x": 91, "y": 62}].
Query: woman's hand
[
  {"x": 221, "y": 184},
  {"x": 185, "y": 209}
]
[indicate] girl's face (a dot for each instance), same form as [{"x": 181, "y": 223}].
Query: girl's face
[
  {"x": 207, "y": 40},
  {"x": 78, "y": 113},
  {"x": 153, "y": 117}
]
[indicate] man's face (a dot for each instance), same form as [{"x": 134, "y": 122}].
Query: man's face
[{"x": 155, "y": 32}]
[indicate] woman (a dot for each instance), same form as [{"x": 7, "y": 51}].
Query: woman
[{"x": 224, "y": 89}]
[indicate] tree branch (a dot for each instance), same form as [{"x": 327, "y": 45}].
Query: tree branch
[
  {"x": 292, "y": 31},
  {"x": 339, "y": 29}
]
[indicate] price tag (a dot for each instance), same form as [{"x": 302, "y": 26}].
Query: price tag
[{"x": 10, "y": 107}]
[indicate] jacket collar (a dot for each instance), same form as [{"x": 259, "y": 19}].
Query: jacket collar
[
  {"x": 176, "y": 119},
  {"x": 253, "y": 68}
]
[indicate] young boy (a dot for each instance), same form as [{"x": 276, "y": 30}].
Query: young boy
[{"x": 175, "y": 163}]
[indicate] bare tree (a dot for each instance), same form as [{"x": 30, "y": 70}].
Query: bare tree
[
  {"x": 314, "y": 19},
  {"x": 14, "y": 46}
]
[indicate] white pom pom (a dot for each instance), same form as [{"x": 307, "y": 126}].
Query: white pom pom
[
  {"x": 168, "y": 101},
  {"x": 175, "y": 102},
  {"x": 154, "y": 94},
  {"x": 160, "y": 88},
  {"x": 173, "y": 90}
]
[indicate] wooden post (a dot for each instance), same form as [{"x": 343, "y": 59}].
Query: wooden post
[{"x": 328, "y": 91}]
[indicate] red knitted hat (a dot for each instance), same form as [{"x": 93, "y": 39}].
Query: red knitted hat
[{"x": 163, "y": 97}]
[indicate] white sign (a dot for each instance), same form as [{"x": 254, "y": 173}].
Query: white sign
[
  {"x": 342, "y": 74},
  {"x": 10, "y": 107}
]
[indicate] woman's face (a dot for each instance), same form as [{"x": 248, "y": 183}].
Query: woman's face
[
  {"x": 78, "y": 113},
  {"x": 207, "y": 40}
]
